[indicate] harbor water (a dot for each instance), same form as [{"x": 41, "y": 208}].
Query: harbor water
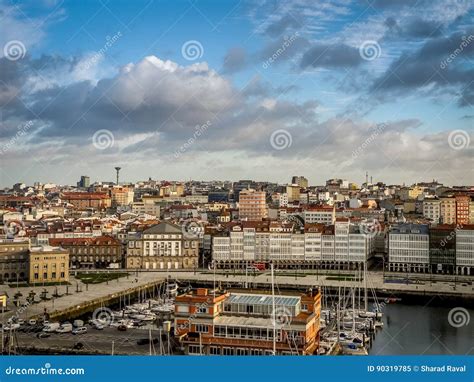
[{"x": 411, "y": 329}]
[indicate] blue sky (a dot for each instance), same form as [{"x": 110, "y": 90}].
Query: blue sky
[{"x": 350, "y": 86}]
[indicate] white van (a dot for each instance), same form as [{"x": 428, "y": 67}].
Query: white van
[
  {"x": 64, "y": 328},
  {"x": 51, "y": 327}
]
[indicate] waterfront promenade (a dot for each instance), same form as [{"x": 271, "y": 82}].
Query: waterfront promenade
[{"x": 80, "y": 293}]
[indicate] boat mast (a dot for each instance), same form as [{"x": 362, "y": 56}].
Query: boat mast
[
  {"x": 273, "y": 310},
  {"x": 366, "y": 307}
]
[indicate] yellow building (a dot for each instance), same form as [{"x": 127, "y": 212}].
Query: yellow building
[
  {"x": 293, "y": 192},
  {"x": 448, "y": 210},
  {"x": 48, "y": 265}
]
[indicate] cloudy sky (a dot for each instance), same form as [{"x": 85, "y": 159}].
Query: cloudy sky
[{"x": 237, "y": 89}]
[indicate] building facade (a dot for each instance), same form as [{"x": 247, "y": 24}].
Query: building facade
[
  {"x": 252, "y": 205},
  {"x": 280, "y": 242},
  {"x": 92, "y": 252},
  {"x": 408, "y": 248},
  {"x": 223, "y": 323},
  {"x": 14, "y": 259},
  {"x": 162, "y": 246},
  {"x": 48, "y": 265}
]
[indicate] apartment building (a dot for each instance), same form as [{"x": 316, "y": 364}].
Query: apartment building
[
  {"x": 465, "y": 250},
  {"x": 448, "y": 210},
  {"x": 462, "y": 209},
  {"x": 443, "y": 248},
  {"x": 162, "y": 246},
  {"x": 323, "y": 215},
  {"x": 148, "y": 208},
  {"x": 293, "y": 192},
  {"x": 317, "y": 245},
  {"x": 87, "y": 200},
  {"x": 252, "y": 205},
  {"x": 91, "y": 252},
  {"x": 432, "y": 209},
  {"x": 301, "y": 181},
  {"x": 408, "y": 248},
  {"x": 48, "y": 265},
  {"x": 14, "y": 259},
  {"x": 121, "y": 196},
  {"x": 234, "y": 323}
]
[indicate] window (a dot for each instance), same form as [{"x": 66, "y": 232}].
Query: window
[
  {"x": 194, "y": 349},
  {"x": 214, "y": 350},
  {"x": 202, "y": 328}
]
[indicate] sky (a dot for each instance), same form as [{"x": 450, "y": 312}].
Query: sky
[{"x": 228, "y": 90}]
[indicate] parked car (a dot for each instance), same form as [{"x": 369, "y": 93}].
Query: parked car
[
  {"x": 32, "y": 322},
  {"x": 80, "y": 330},
  {"x": 122, "y": 328},
  {"x": 98, "y": 327},
  {"x": 43, "y": 335}
]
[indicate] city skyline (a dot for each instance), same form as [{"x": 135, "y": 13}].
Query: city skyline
[{"x": 237, "y": 90}]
